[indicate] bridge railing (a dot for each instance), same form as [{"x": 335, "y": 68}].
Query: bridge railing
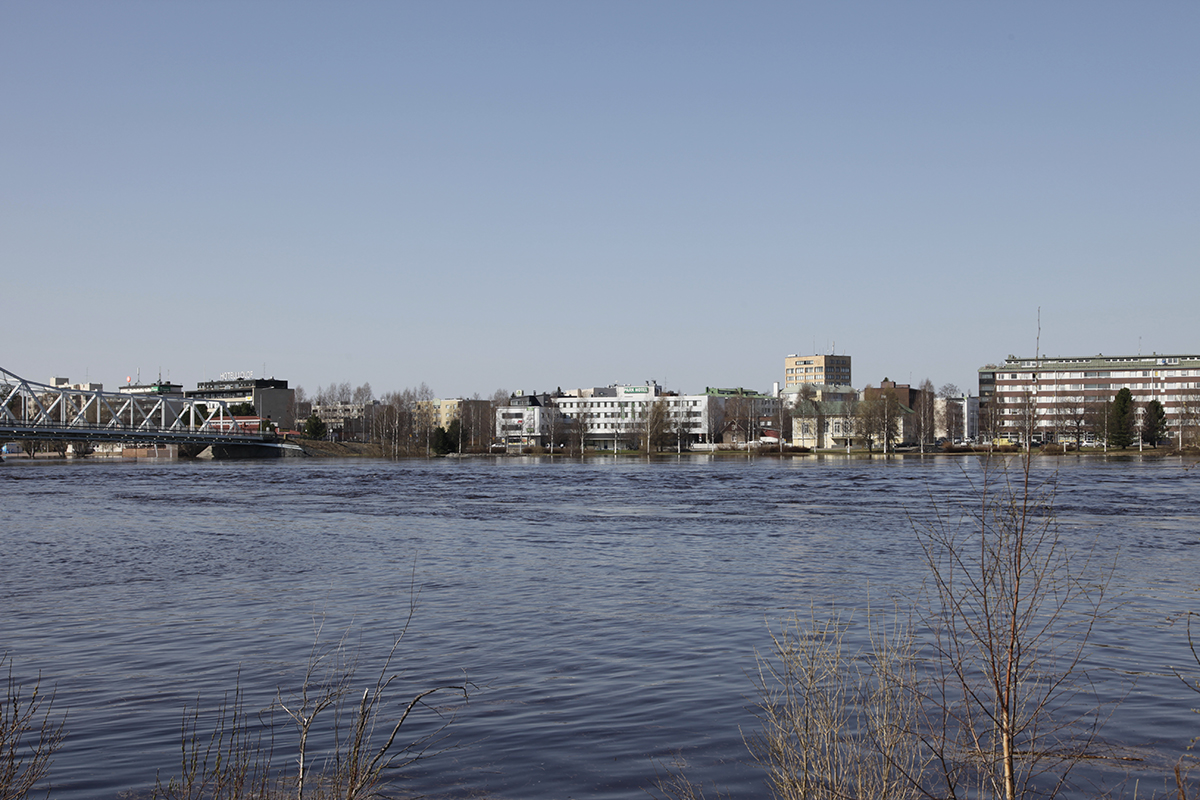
[{"x": 28, "y": 404}]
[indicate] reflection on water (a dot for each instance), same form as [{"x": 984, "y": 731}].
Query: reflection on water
[{"x": 608, "y": 609}]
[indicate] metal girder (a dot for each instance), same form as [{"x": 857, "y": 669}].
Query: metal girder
[{"x": 31, "y": 410}]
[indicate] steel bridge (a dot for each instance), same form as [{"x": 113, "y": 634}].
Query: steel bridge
[{"x": 31, "y": 410}]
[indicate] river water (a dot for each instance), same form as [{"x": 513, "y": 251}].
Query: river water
[{"x": 607, "y": 611}]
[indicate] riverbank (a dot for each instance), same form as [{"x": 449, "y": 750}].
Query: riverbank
[{"x": 316, "y": 447}]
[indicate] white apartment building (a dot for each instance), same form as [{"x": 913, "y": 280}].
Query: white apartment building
[
  {"x": 956, "y": 418},
  {"x": 614, "y": 417}
]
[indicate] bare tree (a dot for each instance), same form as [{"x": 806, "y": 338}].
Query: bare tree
[
  {"x": 716, "y": 419},
  {"x": 656, "y": 425},
  {"x": 878, "y": 417},
  {"x": 30, "y": 734},
  {"x": 1074, "y": 410},
  {"x": 423, "y": 419},
  {"x": 923, "y": 421},
  {"x": 1188, "y": 410},
  {"x": 394, "y": 425},
  {"x": 950, "y": 412},
  {"x": 811, "y": 412},
  {"x": 362, "y": 394},
  {"x": 1011, "y": 615}
]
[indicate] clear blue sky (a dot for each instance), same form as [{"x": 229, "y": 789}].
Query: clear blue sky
[{"x": 531, "y": 195}]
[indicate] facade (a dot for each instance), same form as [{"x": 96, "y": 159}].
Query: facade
[
  {"x": 823, "y": 414},
  {"x": 820, "y": 424},
  {"x": 346, "y": 422},
  {"x": 1057, "y": 399},
  {"x": 821, "y": 392},
  {"x": 740, "y": 416},
  {"x": 441, "y": 412},
  {"x": 616, "y": 417},
  {"x": 529, "y": 420},
  {"x": 956, "y": 418},
  {"x": 272, "y": 399},
  {"x": 65, "y": 383},
  {"x": 830, "y": 369},
  {"x": 622, "y": 416},
  {"x": 158, "y": 388}
]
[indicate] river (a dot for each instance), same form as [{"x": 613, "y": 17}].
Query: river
[{"x": 606, "y": 611}]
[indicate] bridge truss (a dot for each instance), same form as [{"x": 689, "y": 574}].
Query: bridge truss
[{"x": 30, "y": 410}]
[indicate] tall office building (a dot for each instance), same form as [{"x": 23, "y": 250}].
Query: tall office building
[{"x": 831, "y": 370}]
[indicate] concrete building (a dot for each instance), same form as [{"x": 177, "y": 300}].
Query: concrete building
[
  {"x": 475, "y": 419},
  {"x": 530, "y": 420},
  {"x": 441, "y": 411},
  {"x": 346, "y": 422},
  {"x": 820, "y": 424},
  {"x": 65, "y": 383},
  {"x": 956, "y": 418},
  {"x": 744, "y": 415},
  {"x": 830, "y": 369},
  {"x": 159, "y": 388},
  {"x": 616, "y": 417},
  {"x": 1052, "y": 399},
  {"x": 620, "y": 416},
  {"x": 272, "y": 399}
]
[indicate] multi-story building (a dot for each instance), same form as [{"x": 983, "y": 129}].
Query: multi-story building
[
  {"x": 530, "y": 420},
  {"x": 441, "y": 411},
  {"x": 272, "y": 399},
  {"x": 823, "y": 414},
  {"x": 830, "y": 369},
  {"x": 159, "y": 388},
  {"x": 612, "y": 417},
  {"x": 346, "y": 422},
  {"x": 956, "y": 418},
  {"x": 1052, "y": 399},
  {"x": 474, "y": 418},
  {"x": 621, "y": 416}
]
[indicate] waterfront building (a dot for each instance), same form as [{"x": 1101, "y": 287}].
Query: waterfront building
[
  {"x": 271, "y": 398},
  {"x": 619, "y": 416},
  {"x": 530, "y": 420},
  {"x": 346, "y": 422},
  {"x": 822, "y": 414},
  {"x": 1062, "y": 399},
  {"x": 819, "y": 424},
  {"x": 622, "y": 416},
  {"x": 443, "y": 411},
  {"x": 956, "y": 418}
]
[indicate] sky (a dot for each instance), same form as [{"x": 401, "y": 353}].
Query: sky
[{"x": 529, "y": 195}]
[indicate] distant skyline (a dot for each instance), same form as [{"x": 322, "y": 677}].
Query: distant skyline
[{"x": 529, "y": 195}]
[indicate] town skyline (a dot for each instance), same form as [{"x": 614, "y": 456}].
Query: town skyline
[{"x": 472, "y": 195}]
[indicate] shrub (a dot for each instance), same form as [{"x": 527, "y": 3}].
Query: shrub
[{"x": 30, "y": 734}]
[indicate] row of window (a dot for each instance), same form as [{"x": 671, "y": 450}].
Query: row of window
[{"x": 1046, "y": 377}]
